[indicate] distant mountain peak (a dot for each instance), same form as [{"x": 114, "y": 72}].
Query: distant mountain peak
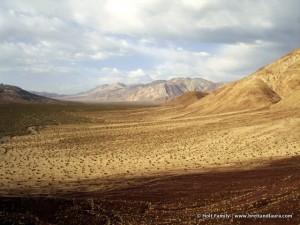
[
  {"x": 158, "y": 91},
  {"x": 14, "y": 94},
  {"x": 118, "y": 84},
  {"x": 46, "y": 94}
]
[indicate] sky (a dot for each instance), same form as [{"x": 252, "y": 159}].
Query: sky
[{"x": 72, "y": 46}]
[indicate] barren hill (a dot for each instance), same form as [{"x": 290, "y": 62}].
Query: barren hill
[
  {"x": 269, "y": 85},
  {"x": 13, "y": 94},
  {"x": 283, "y": 75},
  {"x": 291, "y": 101},
  {"x": 158, "y": 91},
  {"x": 186, "y": 99}
]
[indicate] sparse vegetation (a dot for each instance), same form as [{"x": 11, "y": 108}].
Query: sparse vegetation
[
  {"x": 89, "y": 142},
  {"x": 17, "y": 118}
]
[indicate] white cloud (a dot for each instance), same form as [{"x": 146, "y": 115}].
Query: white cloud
[
  {"x": 108, "y": 75},
  {"x": 136, "y": 73},
  {"x": 98, "y": 56},
  {"x": 110, "y": 71},
  {"x": 137, "y": 41},
  {"x": 231, "y": 62},
  {"x": 159, "y": 19},
  {"x": 234, "y": 61}
]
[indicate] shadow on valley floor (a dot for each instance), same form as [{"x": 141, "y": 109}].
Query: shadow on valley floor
[
  {"x": 182, "y": 199},
  {"x": 17, "y": 118}
]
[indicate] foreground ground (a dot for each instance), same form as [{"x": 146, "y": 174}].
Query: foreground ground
[
  {"x": 183, "y": 199},
  {"x": 126, "y": 158}
]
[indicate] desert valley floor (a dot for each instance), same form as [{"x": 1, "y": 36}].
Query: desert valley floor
[{"x": 128, "y": 155}]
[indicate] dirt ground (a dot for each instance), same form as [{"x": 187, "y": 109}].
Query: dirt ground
[
  {"x": 181, "y": 199},
  {"x": 151, "y": 166}
]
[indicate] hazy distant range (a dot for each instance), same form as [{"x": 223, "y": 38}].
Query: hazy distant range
[{"x": 158, "y": 91}]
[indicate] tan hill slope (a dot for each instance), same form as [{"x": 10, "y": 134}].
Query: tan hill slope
[
  {"x": 291, "y": 101},
  {"x": 12, "y": 94},
  {"x": 238, "y": 96},
  {"x": 186, "y": 99},
  {"x": 283, "y": 75},
  {"x": 269, "y": 85}
]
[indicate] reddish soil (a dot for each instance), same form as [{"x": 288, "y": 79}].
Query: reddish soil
[{"x": 274, "y": 189}]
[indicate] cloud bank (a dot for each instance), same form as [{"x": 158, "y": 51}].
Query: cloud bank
[{"x": 73, "y": 45}]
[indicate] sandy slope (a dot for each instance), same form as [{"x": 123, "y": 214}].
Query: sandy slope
[
  {"x": 141, "y": 143},
  {"x": 238, "y": 96},
  {"x": 283, "y": 75},
  {"x": 262, "y": 89},
  {"x": 290, "y": 101},
  {"x": 186, "y": 99}
]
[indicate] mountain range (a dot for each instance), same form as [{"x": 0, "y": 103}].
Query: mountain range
[
  {"x": 46, "y": 94},
  {"x": 158, "y": 91},
  {"x": 12, "y": 94},
  {"x": 275, "y": 86}
]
